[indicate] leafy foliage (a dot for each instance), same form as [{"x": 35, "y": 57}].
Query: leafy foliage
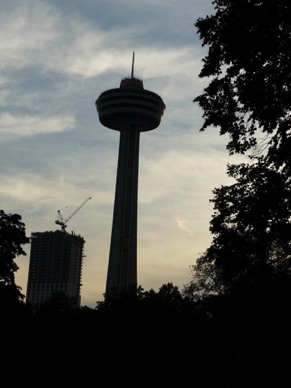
[
  {"x": 251, "y": 231},
  {"x": 249, "y": 60},
  {"x": 12, "y": 237},
  {"x": 248, "y": 97}
]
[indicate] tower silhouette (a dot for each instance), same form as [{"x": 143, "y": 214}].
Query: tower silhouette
[{"x": 129, "y": 109}]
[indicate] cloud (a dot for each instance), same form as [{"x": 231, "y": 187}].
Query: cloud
[
  {"x": 69, "y": 44},
  {"x": 31, "y": 188},
  {"x": 12, "y": 126},
  {"x": 183, "y": 225},
  {"x": 26, "y": 30}
]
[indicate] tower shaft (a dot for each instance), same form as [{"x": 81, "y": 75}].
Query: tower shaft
[
  {"x": 122, "y": 267},
  {"x": 129, "y": 109}
]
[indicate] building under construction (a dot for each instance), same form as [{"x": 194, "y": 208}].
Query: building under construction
[{"x": 56, "y": 260}]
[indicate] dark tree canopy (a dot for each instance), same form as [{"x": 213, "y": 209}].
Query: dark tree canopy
[
  {"x": 249, "y": 62},
  {"x": 251, "y": 230},
  {"x": 248, "y": 97},
  {"x": 12, "y": 238}
]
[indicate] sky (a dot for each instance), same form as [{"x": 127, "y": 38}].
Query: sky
[{"x": 57, "y": 57}]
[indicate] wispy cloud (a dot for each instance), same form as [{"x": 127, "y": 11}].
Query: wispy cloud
[
  {"x": 12, "y": 126},
  {"x": 183, "y": 225}
]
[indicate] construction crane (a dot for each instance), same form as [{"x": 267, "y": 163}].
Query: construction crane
[{"x": 63, "y": 222}]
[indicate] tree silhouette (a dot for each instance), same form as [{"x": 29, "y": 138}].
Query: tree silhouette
[
  {"x": 249, "y": 62},
  {"x": 248, "y": 96},
  {"x": 12, "y": 238},
  {"x": 251, "y": 232}
]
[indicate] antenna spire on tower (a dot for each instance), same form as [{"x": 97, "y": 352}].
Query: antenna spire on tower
[{"x": 132, "y": 66}]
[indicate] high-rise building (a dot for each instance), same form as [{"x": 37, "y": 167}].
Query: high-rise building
[
  {"x": 129, "y": 109},
  {"x": 56, "y": 260}
]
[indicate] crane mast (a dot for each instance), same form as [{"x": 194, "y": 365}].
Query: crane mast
[{"x": 63, "y": 222}]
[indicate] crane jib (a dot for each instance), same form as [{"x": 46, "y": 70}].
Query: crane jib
[{"x": 63, "y": 222}]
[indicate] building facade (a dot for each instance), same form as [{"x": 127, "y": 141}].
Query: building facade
[{"x": 56, "y": 260}]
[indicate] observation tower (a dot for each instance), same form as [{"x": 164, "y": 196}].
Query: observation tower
[{"x": 129, "y": 109}]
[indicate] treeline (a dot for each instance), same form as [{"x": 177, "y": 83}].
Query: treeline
[{"x": 150, "y": 338}]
